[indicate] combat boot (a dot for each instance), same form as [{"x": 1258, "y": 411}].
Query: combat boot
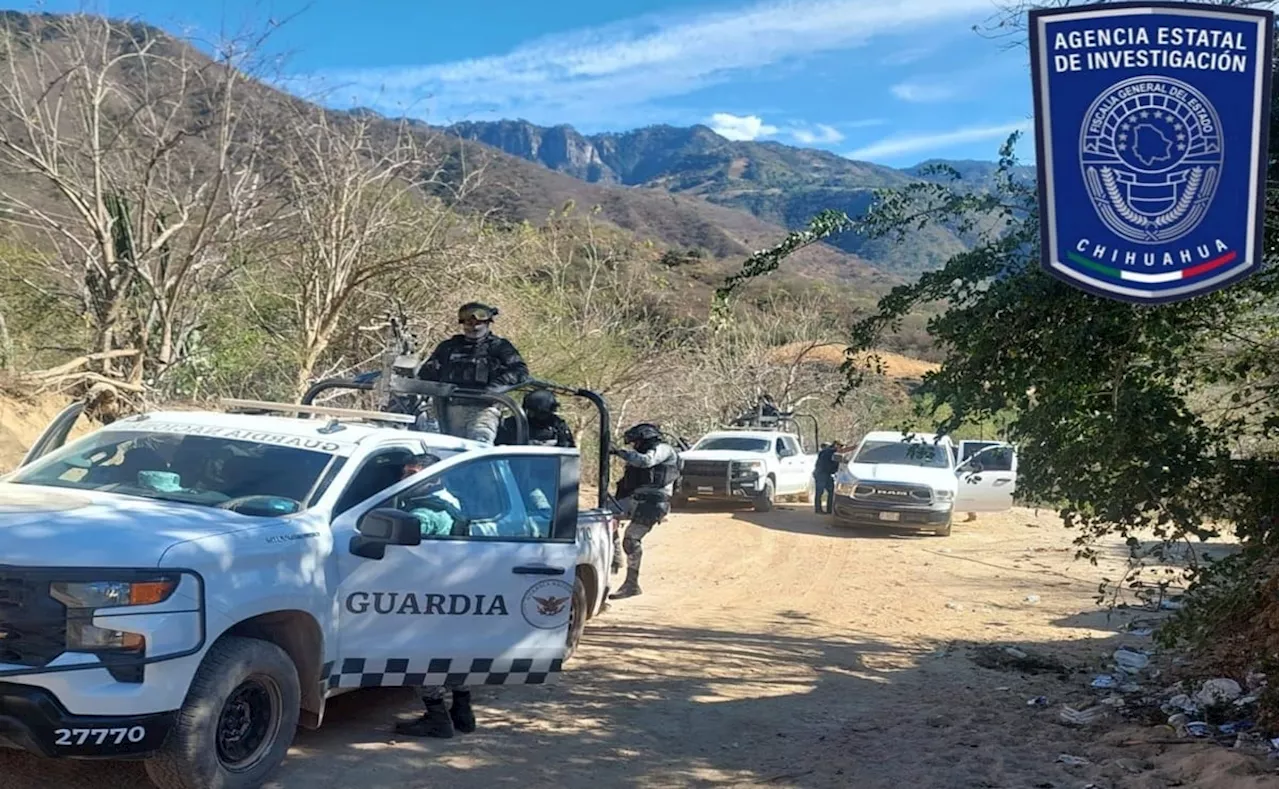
[
  {"x": 630, "y": 587},
  {"x": 464, "y": 720},
  {"x": 435, "y": 722}
]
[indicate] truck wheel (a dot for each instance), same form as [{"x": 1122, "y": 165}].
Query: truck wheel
[
  {"x": 944, "y": 530},
  {"x": 237, "y": 722},
  {"x": 577, "y": 617},
  {"x": 764, "y": 499}
]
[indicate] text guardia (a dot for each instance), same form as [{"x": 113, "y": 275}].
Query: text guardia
[{"x": 425, "y": 604}]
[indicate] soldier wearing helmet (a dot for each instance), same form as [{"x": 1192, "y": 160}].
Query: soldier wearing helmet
[
  {"x": 475, "y": 359},
  {"x": 546, "y": 427},
  {"x": 645, "y": 491}
]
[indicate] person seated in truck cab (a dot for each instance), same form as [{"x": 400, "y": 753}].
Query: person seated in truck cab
[{"x": 438, "y": 511}]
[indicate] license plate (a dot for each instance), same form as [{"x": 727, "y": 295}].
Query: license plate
[
  {"x": 888, "y": 516},
  {"x": 702, "y": 489}
]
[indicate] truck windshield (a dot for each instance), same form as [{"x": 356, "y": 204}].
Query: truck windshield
[
  {"x": 735, "y": 443},
  {"x": 899, "y": 453},
  {"x": 191, "y": 469}
]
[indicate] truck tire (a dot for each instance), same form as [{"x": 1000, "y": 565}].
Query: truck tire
[
  {"x": 944, "y": 530},
  {"x": 764, "y": 499},
  {"x": 237, "y": 722},
  {"x": 577, "y": 617}
]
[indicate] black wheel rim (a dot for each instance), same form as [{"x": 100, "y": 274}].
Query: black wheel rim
[{"x": 248, "y": 723}]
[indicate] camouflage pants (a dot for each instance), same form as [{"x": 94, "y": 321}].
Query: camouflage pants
[
  {"x": 476, "y": 422},
  {"x": 646, "y": 512}
]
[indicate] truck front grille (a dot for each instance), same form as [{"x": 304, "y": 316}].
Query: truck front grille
[
  {"x": 33, "y": 625},
  {"x": 893, "y": 492}
]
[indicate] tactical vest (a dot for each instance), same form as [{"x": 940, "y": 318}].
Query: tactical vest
[
  {"x": 543, "y": 434},
  {"x": 469, "y": 365},
  {"x": 659, "y": 476}
]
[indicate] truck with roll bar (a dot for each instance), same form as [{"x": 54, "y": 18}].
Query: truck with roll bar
[
  {"x": 758, "y": 459},
  {"x": 188, "y": 587}
]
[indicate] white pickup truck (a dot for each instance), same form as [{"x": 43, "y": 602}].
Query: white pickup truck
[
  {"x": 922, "y": 483},
  {"x": 747, "y": 464},
  {"x": 188, "y": 587}
]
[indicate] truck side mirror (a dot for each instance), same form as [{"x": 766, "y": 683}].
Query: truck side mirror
[{"x": 379, "y": 528}]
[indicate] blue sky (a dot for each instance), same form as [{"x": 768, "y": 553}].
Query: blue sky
[{"x": 889, "y": 81}]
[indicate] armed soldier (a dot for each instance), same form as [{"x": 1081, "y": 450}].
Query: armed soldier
[
  {"x": 645, "y": 491},
  {"x": 475, "y": 359},
  {"x": 546, "y": 427}
]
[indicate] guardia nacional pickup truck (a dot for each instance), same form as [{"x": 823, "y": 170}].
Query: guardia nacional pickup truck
[{"x": 188, "y": 587}]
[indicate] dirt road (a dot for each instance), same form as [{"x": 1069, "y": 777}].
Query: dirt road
[{"x": 772, "y": 650}]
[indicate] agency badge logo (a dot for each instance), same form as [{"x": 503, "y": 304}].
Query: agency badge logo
[
  {"x": 1151, "y": 132},
  {"x": 546, "y": 604}
]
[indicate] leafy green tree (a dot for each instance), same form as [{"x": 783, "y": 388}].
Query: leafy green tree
[{"x": 1132, "y": 419}]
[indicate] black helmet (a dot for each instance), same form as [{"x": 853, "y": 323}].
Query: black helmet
[
  {"x": 642, "y": 433},
  {"x": 476, "y": 311},
  {"x": 540, "y": 401}
]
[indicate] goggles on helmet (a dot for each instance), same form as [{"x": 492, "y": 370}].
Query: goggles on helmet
[{"x": 476, "y": 313}]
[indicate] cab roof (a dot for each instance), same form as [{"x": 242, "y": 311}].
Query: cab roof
[
  {"x": 320, "y": 434},
  {"x": 767, "y": 435},
  {"x": 893, "y": 435}
]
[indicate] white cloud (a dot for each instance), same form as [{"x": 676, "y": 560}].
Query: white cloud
[
  {"x": 820, "y": 133},
  {"x": 890, "y": 147},
  {"x": 599, "y": 70},
  {"x": 740, "y": 127},
  {"x": 921, "y": 92}
]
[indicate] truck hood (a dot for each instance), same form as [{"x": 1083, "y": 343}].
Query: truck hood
[
  {"x": 56, "y": 527},
  {"x": 938, "y": 478},
  {"x": 723, "y": 454}
]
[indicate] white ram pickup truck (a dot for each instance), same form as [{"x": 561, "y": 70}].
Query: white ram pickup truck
[
  {"x": 746, "y": 465},
  {"x": 188, "y": 587},
  {"x": 920, "y": 484}
]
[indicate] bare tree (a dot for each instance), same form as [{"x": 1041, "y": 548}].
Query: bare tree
[
  {"x": 358, "y": 189},
  {"x": 131, "y": 156}
]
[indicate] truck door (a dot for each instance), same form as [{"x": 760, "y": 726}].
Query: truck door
[
  {"x": 987, "y": 480},
  {"x": 485, "y": 598},
  {"x": 55, "y": 435}
]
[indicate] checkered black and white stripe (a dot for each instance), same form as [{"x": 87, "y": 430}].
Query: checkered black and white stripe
[{"x": 422, "y": 672}]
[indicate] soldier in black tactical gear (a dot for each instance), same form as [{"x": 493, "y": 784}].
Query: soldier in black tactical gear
[
  {"x": 645, "y": 491},
  {"x": 474, "y": 359},
  {"x": 546, "y": 427}
]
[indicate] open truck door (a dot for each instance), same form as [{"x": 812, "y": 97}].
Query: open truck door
[
  {"x": 55, "y": 435},
  {"x": 987, "y": 480}
]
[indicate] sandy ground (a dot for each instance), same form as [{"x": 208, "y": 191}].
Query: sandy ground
[{"x": 771, "y": 650}]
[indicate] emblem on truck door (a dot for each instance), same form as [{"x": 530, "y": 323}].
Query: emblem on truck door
[{"x": 545, "y": 604}]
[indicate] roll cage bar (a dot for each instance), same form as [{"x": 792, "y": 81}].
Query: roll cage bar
[
  {"x": 758, "y": 420},
  {"x": 442, "y": 393}
]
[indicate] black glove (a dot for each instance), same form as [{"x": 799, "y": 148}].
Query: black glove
[{"x": 616, "y": 451}]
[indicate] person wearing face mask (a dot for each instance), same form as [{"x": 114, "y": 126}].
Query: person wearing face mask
[
  {"x": 546, "y": 427},
  {"x": 645, "y": 490},
  {"x": 475, "y": 359}
]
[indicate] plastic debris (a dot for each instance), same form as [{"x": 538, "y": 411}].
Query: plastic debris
[
  {"x": 1083, "y": 717},
  {"x": 1073, "y": 761},
  {"x": 955, "y": 606},
  {"x": 1198, "y": 729},
  {"x": 1219, "y": 691},
  {"x": 1038, "y": 701},
  {"x": 1235, "y": 727},
  {"x": 1113, "y": 701},
  {"x": 1031, "y": 598},
  {"x": 1104, "y": 681},
  {"x": 1130, "y": 661},
  {"x": 1180, "y": 703}
]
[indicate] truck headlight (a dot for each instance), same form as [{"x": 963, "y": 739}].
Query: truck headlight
[
  {"x": 846, "y": 488},
  {"x": 943, "y": 495},
  {"x": 113, "y": 594}
]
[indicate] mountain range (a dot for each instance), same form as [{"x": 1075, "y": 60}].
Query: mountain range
[{"x": 778, "y": 184}]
